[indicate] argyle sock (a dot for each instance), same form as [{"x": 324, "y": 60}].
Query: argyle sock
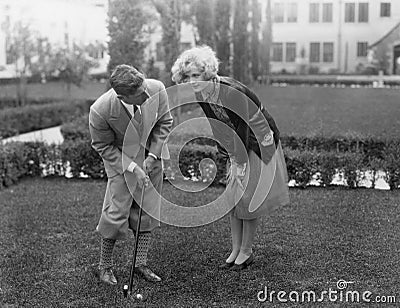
[
  {"x": 143, "y": 248},
  {"x": 107, "y": 247}
]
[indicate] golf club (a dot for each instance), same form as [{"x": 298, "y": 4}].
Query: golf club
[{"x": 128, "y": 288}]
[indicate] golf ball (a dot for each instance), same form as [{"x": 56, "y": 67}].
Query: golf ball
[{"x": 139, "y": 296}]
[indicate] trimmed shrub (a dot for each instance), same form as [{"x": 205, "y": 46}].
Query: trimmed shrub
[
  {"x": 327, "y": 165},
  {"x": 83, "y": 159},
  {"x": 77, "y": 129},
  {"x": 301, "y": 166},
  {"x": 12, "y": 102},
  {"x": 391, "y": 157},
  {"x": 35, "y": 117},
  {"x": 353, "y": 167},
  {"x": 189, "y": 162},
  {"x": 19, "y": 159}
]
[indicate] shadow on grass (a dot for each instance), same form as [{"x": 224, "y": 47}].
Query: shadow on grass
[{"x": 47, "y": 245}]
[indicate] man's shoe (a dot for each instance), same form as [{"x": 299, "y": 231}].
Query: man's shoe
[
  {"x": 147, "y": 273},
  {"x": 107, "y": 276},
  {"x": 245, "y": 264}
]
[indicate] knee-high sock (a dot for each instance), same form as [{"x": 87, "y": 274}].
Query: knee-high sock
[
  {"x": 249, "y": 231},
  {"x": 236, "y": 233},
  {"x": 106, "y": 253},
  {"x": 143, "y": 248}
]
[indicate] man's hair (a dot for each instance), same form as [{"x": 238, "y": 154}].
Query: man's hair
[{"x": 125, "y": 79}]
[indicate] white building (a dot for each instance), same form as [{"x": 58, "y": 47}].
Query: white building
[{"x": 328, "y": 35}]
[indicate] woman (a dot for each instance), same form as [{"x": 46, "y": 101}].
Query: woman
[{"x": 257, "y": 181}]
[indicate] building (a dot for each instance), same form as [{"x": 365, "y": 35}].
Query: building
[
  {"x": 155, "y": 48},
  {"x": 62, "y": 22},
  {"x": 328, "y": 36}
]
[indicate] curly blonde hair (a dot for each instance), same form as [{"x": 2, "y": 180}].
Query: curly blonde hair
[{"x": 202, "y": 58}]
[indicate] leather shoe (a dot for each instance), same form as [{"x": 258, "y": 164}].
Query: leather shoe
[
  {"x": 107, "y": 276},
  {"x": 147, "y": 273},
  {"x": 227, "y": 265},
  {"x": 242, "y": 266}
]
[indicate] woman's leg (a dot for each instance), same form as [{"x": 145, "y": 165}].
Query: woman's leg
[
  {"x": 236, "y": 232},
  {"x": 249, "y": 232}
]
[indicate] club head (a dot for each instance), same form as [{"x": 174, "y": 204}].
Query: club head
[{"x": 125, "y": 290}]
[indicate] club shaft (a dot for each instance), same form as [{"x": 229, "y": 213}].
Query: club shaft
[{"x": 136, "y": 242}]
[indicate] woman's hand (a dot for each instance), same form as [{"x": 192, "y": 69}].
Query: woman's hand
[{"x": 148, "y": 164}]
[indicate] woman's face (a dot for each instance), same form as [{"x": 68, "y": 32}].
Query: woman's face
[{"x": 196, "y": 79}]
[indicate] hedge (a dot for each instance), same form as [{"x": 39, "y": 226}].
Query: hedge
[
  {"x": 31, "y": 159},
  {"x": 34, "y": 117},
  {"x": 371, "y": 147},
  {"x": 12, "y": 102}
]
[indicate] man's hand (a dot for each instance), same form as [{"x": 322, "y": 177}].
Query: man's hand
[
  {"x": 148, "y": 164},
  {"x": 141, "y": 176}
]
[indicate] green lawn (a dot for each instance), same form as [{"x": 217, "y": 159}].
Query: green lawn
[
  {"x": 47, "y": 244},
  {"x": 297, "y": 110},
  {"x": 338, "y": 111},
  {"x": 57, "y": 90}
]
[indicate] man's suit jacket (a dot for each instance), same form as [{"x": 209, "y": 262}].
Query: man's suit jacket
[{"x": 118, "y": 140}]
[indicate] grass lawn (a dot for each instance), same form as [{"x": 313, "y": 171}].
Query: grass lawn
[
  {"x": 306, "y": 111},
  {"x": 338, "y": 111},
  {"x": 57, "y": 90},
  {"x": 47, "y": 244},
  {"x": 297, "y": 110}
]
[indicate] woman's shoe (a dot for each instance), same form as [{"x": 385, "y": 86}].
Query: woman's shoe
[
  {"x": 245, "y": 264},
  {"x": 227, "y": 265}
]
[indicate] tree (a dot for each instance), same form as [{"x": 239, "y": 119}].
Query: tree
[
  {"x": 171, "y": 18},
  {"x": 21, "y": 49},
  {"x": 205, "y": 22},
  {"x": 128, "y": 28},
  {"x": 240, "y": 41},
  {"x": 71, "y": 66},
  {"x": 222, "y": 35},
  {"x": 267, "y": 42},
  {"x": 255, "y": 41}
]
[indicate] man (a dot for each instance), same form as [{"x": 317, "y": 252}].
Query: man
[{"x": 128, "y": 126}]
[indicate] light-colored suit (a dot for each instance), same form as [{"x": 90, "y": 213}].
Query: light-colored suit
[{"x": 121, "y": 139}]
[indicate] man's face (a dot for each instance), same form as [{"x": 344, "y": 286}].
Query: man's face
[{"x": 138, "y": 98}]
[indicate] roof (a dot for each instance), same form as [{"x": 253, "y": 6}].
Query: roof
[{"x": 397, "y": 26}]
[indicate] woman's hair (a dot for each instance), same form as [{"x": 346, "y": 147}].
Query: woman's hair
[
  {"x": 125, "y": 79},
  {"x": 202, "y": 58}
]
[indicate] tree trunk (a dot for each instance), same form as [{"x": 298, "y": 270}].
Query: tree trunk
[{"x": 240, "y": 41}]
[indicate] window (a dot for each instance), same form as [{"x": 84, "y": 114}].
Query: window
[
  {"x": 278, "y": 12},
  {"x": 314, "y": 12},
  {"x": 363, "y": 12},
  {"x": 385, "y": 9},
  {"x": 292, "y": 12},
  {"x": 349, "y": 13},
  {"x": 328, "y": 52},
  {"x": 290, "y": 52},
  {"x": 277, "y": 52},
  {"x": 362, "y": 49},
  {"x": 327, "y": 12},
  {"x": 314, "y": 52}
]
